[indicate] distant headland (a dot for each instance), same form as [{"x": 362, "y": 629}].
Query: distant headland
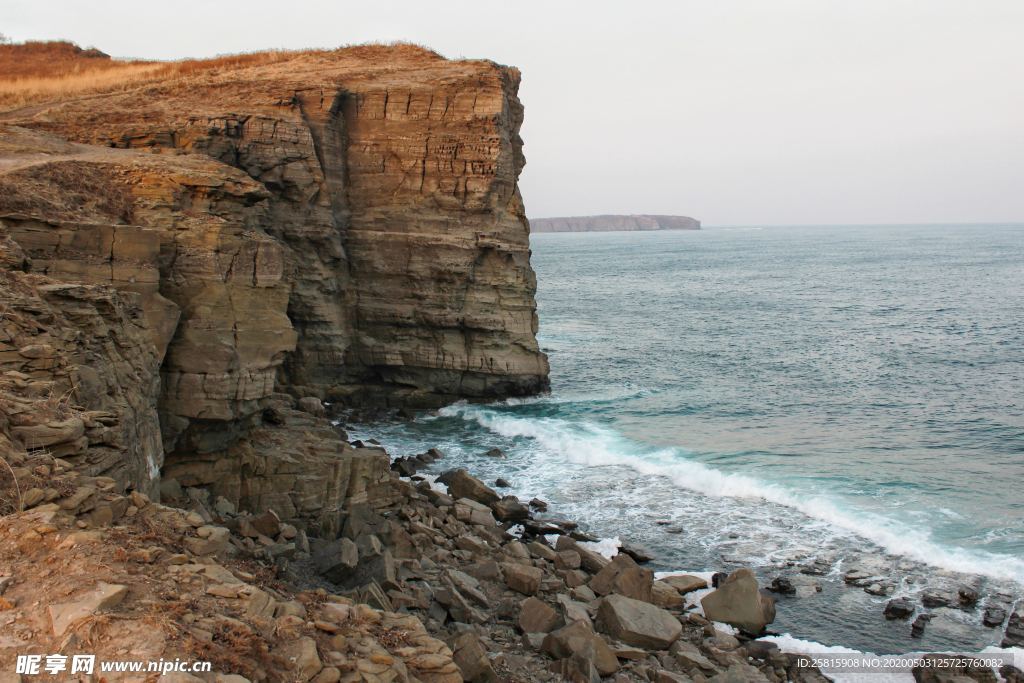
[{"x": 608, "y": 223}]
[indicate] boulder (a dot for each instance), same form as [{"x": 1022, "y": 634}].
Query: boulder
[
  {"x": 467, "y": 510},
  {"x": 917, "y": 628},
  {"x": 637, "y": 623},
  {"x": 578, "y": 640},
  {"x": 302, "y": 658},
  {"x": 639, "y": 553},
  {"x": 462, "y": 484},
  {"x": 509, "y": 509},
  {"x": 899, "y": 608},
  {"x": 536, "y": 616},
  {"x": 522, "y": 578},
  {"x": 686, "y": 583},
  {"x": 664, "y": 595},
  {"x": 336, "y": 560},
  {"x": 738, "y": 602},
  {"x": 623, "y": 576},
  {"x": 103, "y": 596},
  {"x": 1014, "y": 634},
  {"x": 267, "y": 523},
  {"x": 993, "y": 616},
  {"x": 471, "y": 658},
  {"x": 312, "y": 405},
  {"x": 942, "y": 668}
]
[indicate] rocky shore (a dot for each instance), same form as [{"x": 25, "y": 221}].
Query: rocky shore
[
  {"x": 195, "y": 268},
  {"x": 442, "y": 580}
]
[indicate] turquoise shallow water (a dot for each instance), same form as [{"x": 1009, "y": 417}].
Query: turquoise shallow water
[{"x": 853, "y": 395}]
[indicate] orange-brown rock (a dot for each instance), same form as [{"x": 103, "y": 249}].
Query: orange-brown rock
[{"x": 382, "y": 184}]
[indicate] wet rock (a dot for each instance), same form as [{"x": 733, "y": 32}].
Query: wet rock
[
  {"x": 782, "y": 585},
  {"x": 538, "y": 504},
  {"x": 536, "y": 616},
  {"x": 993, "y": 616},
  {"x": 858, "y": 577},
  {"x": 637, "y": 623},
  {"x": 495, "y": 453},
  {"x": 522, "y": 578},
  {"x": 405, "y": 467},
  {"x": 917, "y": 628},
  {"x": 967, "y": 596},
  {"x": 502, "y": 483},
  {"x": 899, "y": 608},
  {"x": 717, "y": 578},
  {"x": 578, "y": 640},
  {"x": 934, "y": 599},
  {"x": 1014, "y": 634},
  {"x": 879, "y": 589},
  {"x": 819, "y": 567},
  {"x": 639, "y": 553},
  {"x": 738, "y": 602}
]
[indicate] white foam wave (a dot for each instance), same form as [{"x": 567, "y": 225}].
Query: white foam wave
[
  {"x": 606, "y": 547},
  {"x": 590, "y": 444}
]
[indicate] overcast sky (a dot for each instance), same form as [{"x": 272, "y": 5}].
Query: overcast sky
[{"x": 732, "y": 111}]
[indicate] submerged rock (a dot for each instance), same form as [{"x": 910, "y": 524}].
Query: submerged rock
[{"x": 899, "y": 608}]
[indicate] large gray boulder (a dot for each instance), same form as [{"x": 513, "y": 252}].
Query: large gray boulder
[
  {"x": 637, "y": 623},
  {"x": 738, "y": 602}
]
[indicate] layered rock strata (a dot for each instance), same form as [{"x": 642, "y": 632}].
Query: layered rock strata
[{"x": 389, "y": 181}]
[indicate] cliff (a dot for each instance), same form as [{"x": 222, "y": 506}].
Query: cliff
[
  {"x": 381, "y": 183},
  {"x": 341, "y": 225},
  {"x": 610, "y": 223}
]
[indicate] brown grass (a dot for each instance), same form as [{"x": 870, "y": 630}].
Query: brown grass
[
  {"x": 36, "y": 72},
  {"x": 10, "y": 490}
]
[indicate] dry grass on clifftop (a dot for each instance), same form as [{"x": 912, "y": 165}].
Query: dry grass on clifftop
[{"x": 44, "y": 71}]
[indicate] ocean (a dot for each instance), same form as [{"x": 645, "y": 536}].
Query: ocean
[{"x": 792, "y": 399}]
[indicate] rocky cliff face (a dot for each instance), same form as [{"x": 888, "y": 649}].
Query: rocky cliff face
[
  {"x": 385, "y": 180},
  {"x": 610, "y": 223},
  {"x": 343, "y": 225}
]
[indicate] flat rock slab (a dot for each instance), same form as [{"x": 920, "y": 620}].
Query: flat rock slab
[
  {"x": 637, "y": 623},
  {"x": 65, "y": 614}
]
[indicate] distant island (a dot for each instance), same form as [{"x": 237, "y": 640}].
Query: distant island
[{"x": 609, "y": 223}]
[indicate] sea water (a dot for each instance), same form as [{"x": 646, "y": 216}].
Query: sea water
[{"x": 783, "y": 398}]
